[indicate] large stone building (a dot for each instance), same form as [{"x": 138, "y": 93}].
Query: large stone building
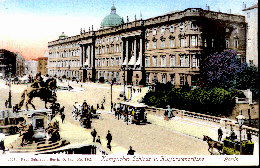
[
  {"x": 7, "y": 63},
  {"x": 31, "y": 67},
  {"x": 42, "y": 65},
  {"x": 251, "y": 14},
  {"x": 20, "y": 65},
  {"x": 163, "y": 48}
]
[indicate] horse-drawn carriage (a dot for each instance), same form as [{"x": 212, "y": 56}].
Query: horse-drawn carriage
[{"x": 135, "y": 112}]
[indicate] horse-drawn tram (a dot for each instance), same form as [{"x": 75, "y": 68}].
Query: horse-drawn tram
[{"x": 133, "y": 112}]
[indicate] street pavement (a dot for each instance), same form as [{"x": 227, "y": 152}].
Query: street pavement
[{"x": 157, "y": 138}]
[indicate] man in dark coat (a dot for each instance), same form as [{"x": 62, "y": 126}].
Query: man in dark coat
[
  {"x": 94, "y": 134},
  {"x": 220, "y": 133},
  {"x": 109, "y": 139},
  {"x": 131, "y": 151}
]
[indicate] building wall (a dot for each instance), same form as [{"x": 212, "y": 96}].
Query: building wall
[
  {"x": 20, "y": 65},
  {"x": 7, "y": 63},
  {"x": 252, "y": 36},
  {"x": 31, "y": 67},
  {"x": 42, "y": 65},
  {"x": 164, "y": 48}
]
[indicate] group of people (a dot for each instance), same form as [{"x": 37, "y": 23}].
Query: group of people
[
  {"x": 109, "y": 139},
  {"x": 84, "y": 113},
  {"x": 233, "y": 135},
  {"x": 57, "y": 109}
]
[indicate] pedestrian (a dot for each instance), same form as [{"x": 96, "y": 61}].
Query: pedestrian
[
  {"x": 166, "y": 115},
  {"x": 170, "y": 114},
  {"x": 109, "y": 139},
  {"x": 131, "y": 151},
  {"x": 233, "y": 135},
  {"x": 98, "y": 140},
  {"x": 249, "y": 136},
  {"x": 97, "y": 106},
  {"x": 84, "y": 105},
  {"x": 6, "y": 103},
  {"x": 220, "y": 133},
  {"x": 62, "y": 117},
  {"x": 94, "y": 134},
  {"x": 102, "y": 106}
]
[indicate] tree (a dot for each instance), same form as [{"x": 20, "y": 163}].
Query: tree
[{"x": 220, "y": 70}]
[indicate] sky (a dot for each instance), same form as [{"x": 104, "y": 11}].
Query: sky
[{"x": 28, "y": 25}]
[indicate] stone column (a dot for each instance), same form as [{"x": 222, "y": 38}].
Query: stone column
[
  {"x": 89, "y": 56},
  {"x": 127, "y": 52},
  {"x": 135, "y": 49},
  {"x": 122, "y": 53},
  {"x": 141, "y": 52},
  {"x": 93, "y": 56}
]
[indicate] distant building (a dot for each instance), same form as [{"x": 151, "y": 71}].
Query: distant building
[
  {"x": 251, "y": 14},
  {"x": 7, "y": 63},
  {"x": 31, "y": 67},
  {"x": 20, "y": 65},
  {"x": 166, "y": 48},
  {"x": 42, "y": 65}
]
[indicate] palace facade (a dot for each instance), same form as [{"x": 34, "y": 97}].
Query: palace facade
[{"x": 160, "y": 49}]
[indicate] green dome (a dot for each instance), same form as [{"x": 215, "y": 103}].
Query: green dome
[
  {"x": 112, "y": 19},
  {"x": 62, "y": 36}
]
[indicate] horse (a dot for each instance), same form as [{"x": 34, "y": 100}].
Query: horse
[
  {"x": 215, "y": 147},
  {"x": 46, "y": 93}
]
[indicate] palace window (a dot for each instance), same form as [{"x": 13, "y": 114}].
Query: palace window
[
  {"x": 147, "y": 61},
  {"x": 147, "y": 33},
  {"x": 172, "y": 60},
  {"x": 147, "y": 45},
  {"x": 147, "y": 77},
  {"x": 195, "y": 61},
  {"x": 154, "y": 44},
  {"x": 184, "y": 60},
  {"x": 172, "y": 43},
  {"x": 164, "y": 78},
  {"x": 181, "y": 79},
  {"x": 154, "y": 31},
  {"x": 155, "y": 61},
  {"x": 162, "y": 30},
  {"x": 193, "y": 26},
  {"x": 212, "y": 42},
  {"x": 236, "y": 43},
  {"x": 172, "y": 76},
  {"x": 227, "y": 43},
  {"x": 172, "y": 28},
  {"x": 194, "y": 41},
  {"x": 163, "y": 61},
  {"x": 163, "y": 44},
  {"x": 182, "y": 42},
  {"x": 181, "y": 27}
]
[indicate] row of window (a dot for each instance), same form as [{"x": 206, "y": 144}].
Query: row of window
[
  {"x": 108, "y": 75},
  {"x": 108, "y": 39},
  {"x": 171, "y": 28},
  {"x": 108, "y": 49},
  {"x": 64, "y": 46},
  {"x": 64, "y": 63},
  {"x": 193, "y": 42},
  {"x": 52, "y": 72},
  {"x": 65, "y": 54},
  {"x": 161, "y": 61},
  {"x": 107, "y": 62},
  {"x": 153, "y": 78}
]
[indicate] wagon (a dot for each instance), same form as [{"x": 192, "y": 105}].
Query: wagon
[{"x": 134, "y": 111}]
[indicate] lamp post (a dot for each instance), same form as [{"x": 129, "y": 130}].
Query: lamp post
[
  {"x": 111, "y": 84},
  {"x": 10, "y": 94},
  {"x": 240, "y": 120}
]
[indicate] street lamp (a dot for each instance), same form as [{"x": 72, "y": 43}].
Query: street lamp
[
  {"x": 240, "y": 120},
  {"x": 10, "y": 94},
  {"x": 111, "y": 84}
]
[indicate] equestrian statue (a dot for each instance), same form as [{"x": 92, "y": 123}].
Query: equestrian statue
[{"x": 44, "y": 90}]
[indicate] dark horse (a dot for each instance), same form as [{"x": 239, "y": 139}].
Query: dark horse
[
  {"x": 215, "y": 147},
  {"x": 46, "y": 93}
]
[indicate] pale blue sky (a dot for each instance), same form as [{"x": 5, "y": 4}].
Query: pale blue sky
[{"x": 30, "y": 24}]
